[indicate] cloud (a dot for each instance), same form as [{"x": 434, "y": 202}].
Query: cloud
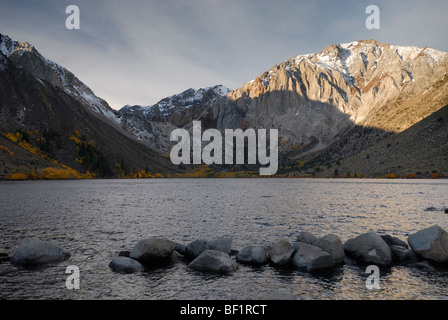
[{"x": 138, "y": 52}]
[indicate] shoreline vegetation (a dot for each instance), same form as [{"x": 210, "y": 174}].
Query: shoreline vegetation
[
  {"x": 42, "y": 143},
  {"x": 204, "y": 171}
]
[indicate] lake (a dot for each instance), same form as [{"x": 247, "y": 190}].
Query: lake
[{"x": 95, "y": 219}]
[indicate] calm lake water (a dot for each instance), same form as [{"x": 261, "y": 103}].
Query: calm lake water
[{"x": 95, "y": 219}]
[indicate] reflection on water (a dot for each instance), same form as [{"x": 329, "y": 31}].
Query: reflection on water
[{"x": 96, "y": 219}]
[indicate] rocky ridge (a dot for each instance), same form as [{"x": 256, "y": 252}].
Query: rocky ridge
[{"x": 339, "y": 102}]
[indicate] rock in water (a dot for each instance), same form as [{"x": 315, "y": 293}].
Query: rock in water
[
  {"x": 402, "y": 255},
  {"x": 195, "y": 248},
  {"x": 333, "y": 245},
  {"x": 123, "y": 264},
  {"x": 394, "y": 241},
  {"x": 280, "y": 253},
  {"x": 369, "y": 248},
  {"x": 32, "y": 251},
  {"x": 223, "y": 244},
  {"x": 306, "y": 237},
  {"x": 255, "y": 255},
  {"x": 213, "y": 261},
  {"x": 312, "y": 258},
  {"x": 152, "y": 250},
  {"x": 430, "y": 243},
  {"x": 424, "y": 265}
]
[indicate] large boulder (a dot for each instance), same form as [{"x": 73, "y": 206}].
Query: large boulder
[
  {"x": 254, "y": 255},
  {"x": 195, "y": 248},
  {"x": 152, "y": 250},
  {"x": 369, "y": 248},
  {"x": 223, "y": 244},
  {"x": 333, "y": 245},
  {"x": 306, "y": 237},
  {"x": 312, "y": 258},
  {"x": 430, "y": 243},
  {"x": 32, "y": 251},
  {"x": 281, "y": 252},
  {"x": 123, "y": 264},
  {"x": 213, "y": 261}
]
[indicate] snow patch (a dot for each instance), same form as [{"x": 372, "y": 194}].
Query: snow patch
[
  {"x": 407, "y": 53},
  {"x": 436, "y": 55}
]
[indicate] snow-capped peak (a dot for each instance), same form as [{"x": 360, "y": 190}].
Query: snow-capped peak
[
  {"x": 178, "y": 103},
  {"x": 45, "y": 69},
  {"x": 7, "y": 45}
]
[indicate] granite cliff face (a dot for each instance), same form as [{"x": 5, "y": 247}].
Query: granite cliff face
[
  {"x": 315, "y": 97},
  {"x": 328, "y": 106}
]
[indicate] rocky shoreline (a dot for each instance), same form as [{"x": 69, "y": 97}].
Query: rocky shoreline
[{"x": 426, "y": 249}]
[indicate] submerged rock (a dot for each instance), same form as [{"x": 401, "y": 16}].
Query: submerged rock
[
  {"x": 254, "y": 255},
  {"x": 369, "y": 248},
  {"x": 333, "y": 245},
  {"x": 424, "y": 265},
  {"x": 402, "y": 255},
  {"x": 32, "y": 251},
  {"x": 123, "y": 264},
  {"x": 214, "y": 261},
  {"x": 312, "y": 258},
  {"x": 430, "y": 243},
  {"x": 281, "y": 252},
  {"x": 152, "y": 250}
]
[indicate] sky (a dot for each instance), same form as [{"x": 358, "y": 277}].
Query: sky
[{"x": 139, "y": 52}]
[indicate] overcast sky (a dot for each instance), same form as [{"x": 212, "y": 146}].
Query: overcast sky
[{"x": 138, "y": 52}]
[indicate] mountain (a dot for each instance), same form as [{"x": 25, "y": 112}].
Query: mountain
[
  {"x": 153, "y": 124},
  {"x": 26, "y": 55},
  {"x": 48, "y": 112},
  {"x": 328, "y": 106},
  {"x": 315, "y": 97},
  {"x": 419, "y": 151},
  {"x": 362, "y": 107}
]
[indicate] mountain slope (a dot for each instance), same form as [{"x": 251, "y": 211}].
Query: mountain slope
[
  {"x": 420, "y": 150},
  {"x": 328, "y": 106},
  {"x": 153, "y": 124},
  {"x": 55, "y": 122},
  {"x": 358, "y": 83},
  {"x": 27, "y": 56}
]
